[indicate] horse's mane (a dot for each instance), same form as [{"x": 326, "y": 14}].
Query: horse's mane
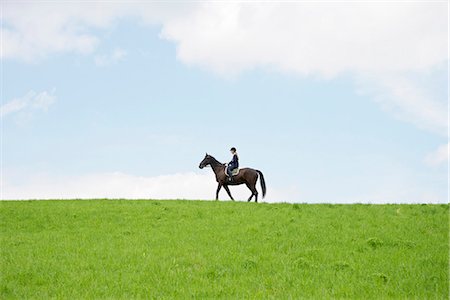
[{"x": 216, "y": 161}]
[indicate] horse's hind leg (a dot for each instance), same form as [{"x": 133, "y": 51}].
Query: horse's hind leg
[
  {"x": 250, "y": 199},
  {"x": 254, "y": 192}
]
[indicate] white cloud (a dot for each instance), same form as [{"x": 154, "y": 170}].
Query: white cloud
[
  {"x": 33, "y": 31},
  {"x": 397, "y": 194},
  {"x": 117, "y": 55},
  {"x": 390, "y": 43},
  {"x": 383, "y": 41},
  {"x": 439, "y": 156},
  {"x": 15, "y": 105},
  {"x": 322, "y": 39},
  {"x": 409, "y": 98},
  {"x": 306, "y": 38},
  {"x": 193, "y": 186},
  {"x": 119, "y": 185},
  {"x": 32, "y": 101}
]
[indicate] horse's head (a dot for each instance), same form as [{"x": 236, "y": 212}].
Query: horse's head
[{"x": 206, "y": 161}]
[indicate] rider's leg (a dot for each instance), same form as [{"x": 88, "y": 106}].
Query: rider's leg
[{"x": 229, "y": 169}]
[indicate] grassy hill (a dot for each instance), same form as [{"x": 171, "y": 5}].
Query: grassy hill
[{"x": 183, "y": 249}]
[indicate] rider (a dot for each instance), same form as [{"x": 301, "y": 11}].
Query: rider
[{"x": 234, "y": 163}]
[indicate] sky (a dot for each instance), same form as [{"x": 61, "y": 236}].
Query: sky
[{"x": 334, "y": 101}]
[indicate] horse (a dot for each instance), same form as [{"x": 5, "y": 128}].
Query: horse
[{"x": 246, "y": 175}]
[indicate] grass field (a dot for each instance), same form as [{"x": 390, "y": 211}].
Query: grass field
[{"x": 184, "y": 249}]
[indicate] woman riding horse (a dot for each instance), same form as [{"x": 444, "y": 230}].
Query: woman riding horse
[{"x": 246, "y": 175}]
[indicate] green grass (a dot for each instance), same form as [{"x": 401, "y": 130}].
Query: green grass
[{"x": 185, "y": 249}]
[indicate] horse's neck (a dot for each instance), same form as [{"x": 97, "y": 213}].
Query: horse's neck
[{"x": 216, "y": 166}]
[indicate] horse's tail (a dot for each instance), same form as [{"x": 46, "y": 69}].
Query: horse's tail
[{"x": 263, "y": 182}]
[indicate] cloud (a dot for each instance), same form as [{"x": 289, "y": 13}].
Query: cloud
[
  {"x": 322, "y": 39},
  {"x": 409, "y": 98},
  {"x": 382, "y": 45},
  {"x": 397, "y": 194},
  {"x": 120, "y": 185},
  {"x": 387, "y": 47},
  {"x": 193, "y": 186},
  {"x": 32, "y": 101},
  {"x": 439, "y": 156},
  {"x": 117, "y": 55},
  {"x": 29, "y": 43},
  {"x": 33, "y": 31}
]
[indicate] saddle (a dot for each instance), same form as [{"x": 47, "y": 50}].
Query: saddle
[{"x": 233, "y": 173}]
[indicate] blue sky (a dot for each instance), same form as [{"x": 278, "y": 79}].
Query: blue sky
[{"x": 132, "y": 98}]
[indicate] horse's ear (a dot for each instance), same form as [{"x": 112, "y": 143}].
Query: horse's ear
[{"x": 206, "y": 153}]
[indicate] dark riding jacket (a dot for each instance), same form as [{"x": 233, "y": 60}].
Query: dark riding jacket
[{"x": 234, "y": 163}]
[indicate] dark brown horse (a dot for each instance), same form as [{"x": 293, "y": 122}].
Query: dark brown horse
[{"x": 246, "y": 175}]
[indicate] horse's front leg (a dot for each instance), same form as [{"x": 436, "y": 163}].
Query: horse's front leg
[
  {"x": 218, "y": 190},
  {"x": 228, "y": 191}
]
